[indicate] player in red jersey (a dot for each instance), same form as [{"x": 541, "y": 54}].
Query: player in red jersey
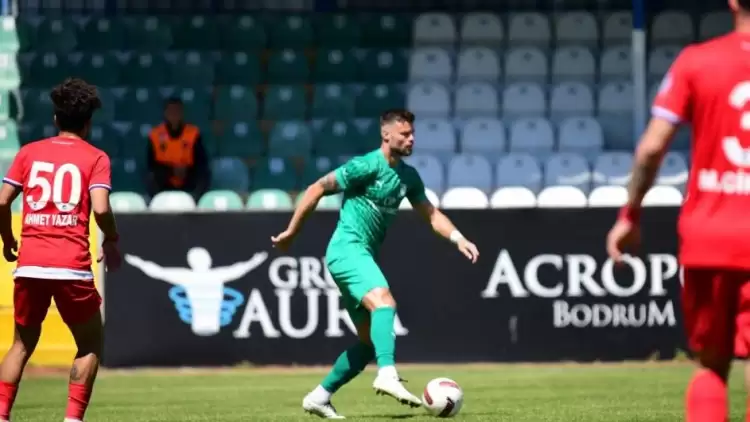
[
  {"x": 62, "y": 179},
  {"x": 708, "y": 85}
]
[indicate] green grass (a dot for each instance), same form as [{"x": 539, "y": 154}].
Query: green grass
[{"x": 517, "y": 393}]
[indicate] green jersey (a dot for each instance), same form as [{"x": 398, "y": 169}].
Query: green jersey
[{"x": 373, "y": 191}]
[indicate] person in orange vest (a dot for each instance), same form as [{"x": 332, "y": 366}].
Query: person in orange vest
[{"x": 177, "y": 159}]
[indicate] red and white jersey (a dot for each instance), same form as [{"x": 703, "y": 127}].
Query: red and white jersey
[
  {"x": 709, "y": 86},
  {"x": 56, "y": 175}
]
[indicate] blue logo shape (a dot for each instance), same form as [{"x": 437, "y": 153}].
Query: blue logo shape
[{"x": 232, "y": 300}]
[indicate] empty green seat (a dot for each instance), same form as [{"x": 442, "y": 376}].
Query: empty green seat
[
  {"x": 276, "y": 173},
  {"x": 147, "y": 33},
  {"x": 269, "y": 199},
  {"x": 9, "y": 141},
  {"x": 139, "y": 105},
  {"x": 337, "y": 137},
  {"x": 221, "y": 200},
  {"x": 384, "y": 66},
  {"x": 330, "y": 202},
  {"x": 172, "y": 201},
  {"x": 106, "y": 114},
  {"x": 236, "y": 103},
  {"x": 284, "y": 102},
  {"x": 386, "y": 30},
  {"x": 99, "y": 69},
  {"x": 5, "y": 101},
  {"x": 106, "y": 139},
  {"x": 197, "y": 104},
  {"x": 290, "y": 139},
  {"x": 36, "y": 130},
  {"x": 192, "y": 70},
  {"x": 127, "y": 202},
  {"x": 315, "y": 168},
  {"x": 56, "y": 35},
  {"x": 333, "y": 101},
  {"x": 229, "y": 173},
  {"x": 9, "y": 42},
  {"x": 338, "y": 30},
  {"x": 241, "y": 139},
  {"x": 129, "y": 174},
  {"x": 46, "y": 69},
  {"x": 375, "y": 99},
  {"x": 337, "y": 66},
  {"x": 10, "y": 76},
  {"x": 291, "y": 31},
  {"x": 26, "y": 34},
  {"x": 196, "y": 33},
  {"x": 288, "y": 67},
  {"x": 102, "y": 34},
  {"x": 238, "y": 68},
  {"x": 242, "y": 33},
  {"x": 144, "y": 69},
  {"x": 368, "y": 131}
]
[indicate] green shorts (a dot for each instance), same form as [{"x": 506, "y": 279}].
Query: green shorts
[{"x": 355, "y": 273}]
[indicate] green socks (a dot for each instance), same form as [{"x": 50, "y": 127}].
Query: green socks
[
  {"x": 382, "y": 335},
  {"x": 348, "y": 365}
]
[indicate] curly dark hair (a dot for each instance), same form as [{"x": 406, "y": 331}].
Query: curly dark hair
[
  {"x": 74, "y": 101},
  {"x": 396, "y": 115}
]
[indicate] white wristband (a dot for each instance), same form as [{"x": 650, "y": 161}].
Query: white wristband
[{"x": 456, "y": 236}]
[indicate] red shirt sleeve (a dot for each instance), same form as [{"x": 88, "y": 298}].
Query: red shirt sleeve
[
  {"x": 15, "y": 172},
  {"x": 101, "y": 175},
  {"x": 673, "y": 102}
]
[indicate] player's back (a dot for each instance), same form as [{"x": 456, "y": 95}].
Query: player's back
[{"x": 56, "y": 175}]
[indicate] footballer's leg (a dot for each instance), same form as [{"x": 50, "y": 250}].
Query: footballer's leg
[
  {"x": 79, "y": 304},
  {"x": 742, "y": 338},
  {"x": 31, "y": 300},
  {"x": 710, "y": 307}
]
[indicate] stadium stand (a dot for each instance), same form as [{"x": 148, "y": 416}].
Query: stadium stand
[{"x": 530, "y": 108}]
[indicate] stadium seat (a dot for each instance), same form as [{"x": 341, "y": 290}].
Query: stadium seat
[
  {"x": 386, "y": 30},
  {"x": 291, "y": 31},
  {"x": 478, "y": 64},
  {"x": 290, "y": 138},
  {"x": 431, "y": 196},
  {"x": 9, "y": 141},
  {"x": 339, "y": 30},
  {"x": 56, "y": 35},
  {"x": 147, "y": 33},
  {"x": 44, "y": 70},
  {"x": 673, "y": 171},
  {"x": 533, "y": 135},
  {"x": 314, "y": 168},
  {"x": 618, "y": 28},
  {"x": 470, "y": 170},
  {"x": 476, "y": 99},
  {"x": 101, "y": 34},
  {"x": 128, "y": 175},
  {"x": 561, "y": 197},
  {"x": 284, "y": 102},
  {"x": 10, "y": 74},
  {"x": 608, "y": 196},
  {"x": 288, "y": 67},
  {"x": 430, "y": 170},
  {"x": 660, "y": 60},
  {"x": 523, "y": 100},
  {"x": 274, "y": 172},
  {"x": 238, "y": 68},
  {"x": 172, "y": 201},
  {"x": 235, "y": 102},
  {"x": 483, "y": 135},
  {"x": 616, "y": 114},
  {"x": 440, "y": 134},
  {"x": 220, "y": 200},
  {"x": 229, "y": 173},
  {"x": 101, "y": 70},
  {"x": 514, "y": 170},
  {"x": 672, "y": 27},
  {"x": 434, "y": 28},
  {"x": 568, "y": 169},
  {"x": 335, "y": 66},
  {"x": 662, "y": 196},
  {"x": 107, "y": 139},
  {"x": 123, "y": 202},
  {"x": 573, "y": 63},
  {"x": 197, "y": 33},
  {"x": 570, "y": 99},
  {"x": 243, "y": 33},
  {"x": 577, "y": 28},
  {"x": 269, "y": 199},
  {"x": 240, "y": 139},
  {"x": 5, "y": 105},
  {"x": 198, "y": 101},
  {"x": 429, "y": 99},
  {"x": 526, "y": 64},
  {"x": 616, "y": 63},
  {"x": 376, "y": 98},
  {"x": 513, "y": 197},
  {"x": 529, "y": 28},
  {"x": 336, "y": 137},
  {"x": 333, "y": 101},
  {"x": 144, "y": 70},
  {"x": 714, "y": 24},
  {"x": 430, "y": 64},
  {"x": 191, "y": 70},
  {"x": 612, "y": 168},
  {"x": 384, "y": 66},
  {"x": 481, "y": 28},
  {"x": 464, "y": 198},
  {"x": 138, "y": 105},
  {"x": 368, "y": 131},
  {"x": 330, "y": 202},
  {"x": 582, "y": 135}
]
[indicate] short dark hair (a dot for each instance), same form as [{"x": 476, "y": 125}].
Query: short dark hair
[
  {"x": 74, "y": 102},
  {"x": 173, "y": 101},
  {"x": 396, "y": 115}
]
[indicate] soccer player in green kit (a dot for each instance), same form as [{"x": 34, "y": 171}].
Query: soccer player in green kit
[{"x": 374, "y": 186}]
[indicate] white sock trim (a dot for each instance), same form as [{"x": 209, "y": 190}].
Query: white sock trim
[
  {"x": 388, "y": 371},
  {"x": 321, "y": 395}
]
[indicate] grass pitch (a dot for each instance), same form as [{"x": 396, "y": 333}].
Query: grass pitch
[{"x": 513, "y": 393}]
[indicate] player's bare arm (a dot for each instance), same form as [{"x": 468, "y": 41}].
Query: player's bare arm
[
  {"x": 326, "y": 185},
  {"x": 8, "y": 194},
  {"x": 443, "y": 226},
  {"x": 105, "y": 219},
  {"x": 648, "y": 157}
]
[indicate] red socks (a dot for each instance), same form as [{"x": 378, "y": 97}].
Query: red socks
[
  {"x": 7, "y": 397},
  {"x": 78, "y": 401},
  {"x": 706, "y": 398}
]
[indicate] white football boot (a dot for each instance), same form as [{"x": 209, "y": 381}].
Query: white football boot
[
  {"x": 388, "y": 383},
  {"x": 323, "y": 410}
]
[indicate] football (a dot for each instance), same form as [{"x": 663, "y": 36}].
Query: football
[{"x": 443, "y": 397}]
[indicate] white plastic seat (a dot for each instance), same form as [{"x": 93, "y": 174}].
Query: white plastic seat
[
  {"x": 618, "y": 28},
  {"x": 660, "y": 60},
  {"x": 613, "y": 169},
  {"x": 431, "y": 196},
  {"x": 573, "y": 63},
  {"x": 714, "y": 24},
  {"x": 662, "y": 196},
  {"x": 476, "y": 99},
  {"x": 434, "y": 28},
  {"x": 529, "y": 28},
  {"x": 581, "y": 134},
  {"x": 478, "y": 64},
  {"x": 577, "y": 28},
  {"x": 430, "y": 64},
  {"x": 470, "y": 170},
  {"x": 514, "y": 170},
  {"x": 570, "y": 99},
  {"x": 429, "y": 99},
  {"x": 172, "y": 201},
  {"x": 533, "y": 135},
  {"x": 526, "y": 64},
  {"x": 615, "y": 114},
  {"x": 523, "y": 100},
  {"x": 561, "y": 197},
  {"x": 672, "y": 27},
  {"x": 616, "y": 63},
  {"x": 439, "y": 132},
  {"x": 567, "y": 169},
  {"x": 482, "y": 28},
  {"x": 673, "y": 171},
  {"x": 483, "y": 135},
  {"x": 464, "y": 198},
  {"x": 608, "y": 196},
  {"x": 430, "y": 169},
  {"x": 513, "y": 197}
]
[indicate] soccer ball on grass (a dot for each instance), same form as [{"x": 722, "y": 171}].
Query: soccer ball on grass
[{"x": 443, "y": 397}]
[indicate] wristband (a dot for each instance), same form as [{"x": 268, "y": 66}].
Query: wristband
[
  {"x": 456, "y": 236},
  {"x": 630, "y": 214}
]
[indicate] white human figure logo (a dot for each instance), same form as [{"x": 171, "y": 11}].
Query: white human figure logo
[{"x": 204, "y": 286}]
